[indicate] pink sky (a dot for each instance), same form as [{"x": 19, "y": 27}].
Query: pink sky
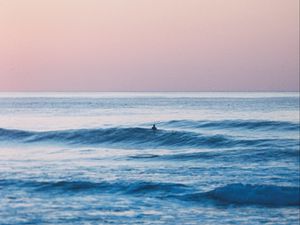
[{"x": 149, "y": 45}]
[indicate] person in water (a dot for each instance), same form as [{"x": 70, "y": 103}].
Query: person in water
[{"x": 154, "y": 127}]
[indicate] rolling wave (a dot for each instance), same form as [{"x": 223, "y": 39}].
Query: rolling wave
[
  {"x": 236, "y": 193},
  {"x": 136, "y": 138},
  {"x": 257, "y": 194},
  {"x": 248, "y": 194},
  {"x": 234, "y": 124},
  {"x": 121, "y": 187},
  {"x": 250, "y": 155}
]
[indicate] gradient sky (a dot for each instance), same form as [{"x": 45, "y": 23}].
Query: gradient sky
[{"x": 149, "y": 45}]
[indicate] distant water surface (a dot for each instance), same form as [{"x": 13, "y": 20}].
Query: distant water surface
[{"x": 92, "y": 158}]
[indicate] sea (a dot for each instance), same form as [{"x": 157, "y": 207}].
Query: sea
[{"x": 92, "y": 158}]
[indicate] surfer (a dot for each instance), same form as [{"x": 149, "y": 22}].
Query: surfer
[{"x": 154, "y": 127}]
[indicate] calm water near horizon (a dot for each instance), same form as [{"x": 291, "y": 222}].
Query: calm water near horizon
[{"x": 92, "y": 158}]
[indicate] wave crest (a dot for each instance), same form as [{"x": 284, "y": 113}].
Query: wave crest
[
  {"x": 257, "y": 194},
  {"x": 135, "y": 138},
  {"x": 121, "y": 187},
  {"x": 236, "y": 193}
]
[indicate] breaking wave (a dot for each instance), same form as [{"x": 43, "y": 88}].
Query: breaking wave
[
  {"x": 136, "y": 138},
  {"x": 248, "y": 194},
  {"x": 257, "y": 194},
  {"x": 237, "y": 193}
]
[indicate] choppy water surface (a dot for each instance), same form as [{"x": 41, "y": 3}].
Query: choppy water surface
[{"x": 91, "y": 158}]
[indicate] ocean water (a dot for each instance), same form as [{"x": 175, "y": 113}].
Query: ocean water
[{"x": 92, "y": 158}]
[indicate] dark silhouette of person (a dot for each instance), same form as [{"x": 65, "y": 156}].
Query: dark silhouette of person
[{"x": 154, "y": 127}]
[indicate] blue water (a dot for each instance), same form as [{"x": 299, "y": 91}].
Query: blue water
[{"x": 92, "y": 158}]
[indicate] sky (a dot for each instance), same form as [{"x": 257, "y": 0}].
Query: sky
[{"x": 149, "y": 45}]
